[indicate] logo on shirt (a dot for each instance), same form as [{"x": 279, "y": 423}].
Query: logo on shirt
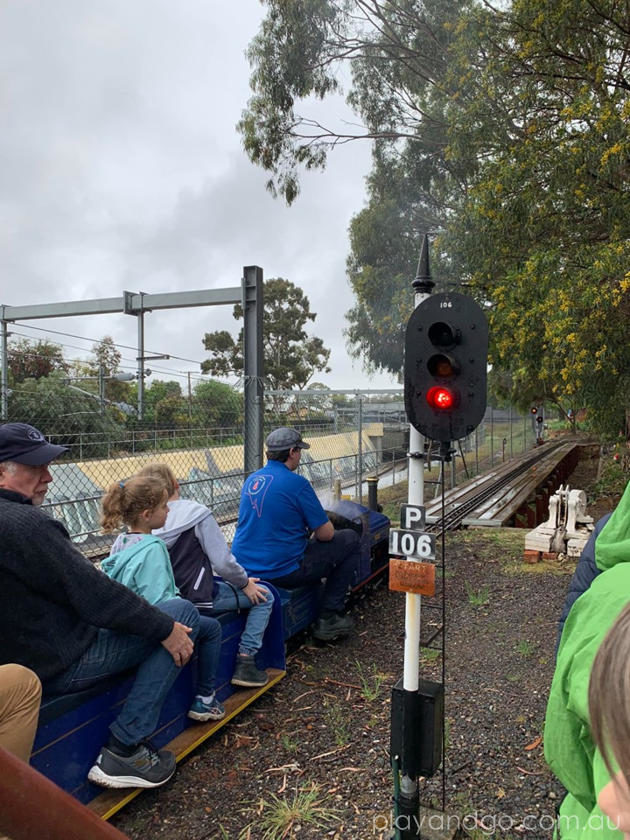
[{"x": 257, "y": 490}]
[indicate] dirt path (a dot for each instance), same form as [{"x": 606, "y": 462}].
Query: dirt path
[{"x": 318, "y": 742}]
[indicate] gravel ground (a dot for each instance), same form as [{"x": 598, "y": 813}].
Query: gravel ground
[{"x": 310, "y": 759}]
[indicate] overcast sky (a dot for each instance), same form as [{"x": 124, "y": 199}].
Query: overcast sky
[{"x": 120, "y": 168}]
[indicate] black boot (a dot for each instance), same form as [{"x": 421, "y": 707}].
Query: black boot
[
  {"x": 333, "y": 626},
  {"x": 247, "y": 674}
]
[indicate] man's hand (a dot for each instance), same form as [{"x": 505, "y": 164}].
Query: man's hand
[
  {"x": 256, "y": 594},
  {"x": 325, "y": 532},
  {"x": 178, "y": 644}
]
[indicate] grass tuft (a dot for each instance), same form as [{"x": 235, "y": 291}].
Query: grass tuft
[{"x": 285, "y": 818}]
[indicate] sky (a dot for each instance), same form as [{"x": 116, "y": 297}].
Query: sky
[{"x": 121, "y": 169}]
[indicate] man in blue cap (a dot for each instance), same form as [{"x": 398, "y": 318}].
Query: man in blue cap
[
  {"x": 278, "y": 511},
  {"x": 73, "y": 626}
]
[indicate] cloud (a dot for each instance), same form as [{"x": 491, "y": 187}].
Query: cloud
[{"x": 122, "y": 169}]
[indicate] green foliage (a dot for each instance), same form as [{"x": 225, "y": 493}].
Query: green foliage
[
  {"x": 612, "y": 480},
  {"x": 429, "y": 654},
  {"x": 107, "y": 363},
  {"x": 33, "y": 359},
  {"x": 370, "y": 684},
  {"x": 217, "y": 405},
  {"x": 291, "y": 357},
  {"x": 525, "y": 648},
  {"x": 58, "y": 410},
  {"x": 338, "y": 719},
  {"x": 477, "y": 598},
  {"x": 503, "y": 129},
  {"x": 162, "y": 402},
  {"x": 283, "y": 818}
]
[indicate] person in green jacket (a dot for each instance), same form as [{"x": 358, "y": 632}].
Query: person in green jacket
[{"x": 570, "y": 748}]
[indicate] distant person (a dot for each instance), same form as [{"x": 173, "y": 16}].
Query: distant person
[
  {"x": 198, "y": 551},
  {"x": 73, "y": 626},
  {"x": 140, "y": 561},
  {"x": 277, "y": 512},
  {"x": 569, "y": 737},
  {"x": 20, "y": 695}
]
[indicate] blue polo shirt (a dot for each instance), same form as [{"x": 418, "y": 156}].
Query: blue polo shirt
[{"x": 278, "y": 509}]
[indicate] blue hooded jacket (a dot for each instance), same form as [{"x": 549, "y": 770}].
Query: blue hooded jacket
[{"x": 144, "y": 567}]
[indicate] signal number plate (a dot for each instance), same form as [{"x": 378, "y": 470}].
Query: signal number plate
[{"x": 412, "y": 544}]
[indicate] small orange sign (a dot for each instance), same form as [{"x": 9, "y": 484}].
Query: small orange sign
[{"x": 410, "y": 576}]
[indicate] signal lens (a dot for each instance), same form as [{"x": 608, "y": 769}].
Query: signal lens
[
  {"x": 442, "y": 366},
  {"x": 440, "y": 398},
  {"x": 442, "y": 334}
]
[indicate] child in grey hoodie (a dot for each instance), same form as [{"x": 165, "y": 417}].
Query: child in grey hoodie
[{"x": 198, "y": 552}]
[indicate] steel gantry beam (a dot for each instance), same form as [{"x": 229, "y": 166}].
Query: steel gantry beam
[{"x": 249, "y": 294}]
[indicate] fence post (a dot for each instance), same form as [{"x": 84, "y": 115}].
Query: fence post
[
  {"x": 4, "y": 373},
  {"x": 253, "y": 372},
  {"x": 360, "y": 456},
  {"x": 477, "y": 450}
]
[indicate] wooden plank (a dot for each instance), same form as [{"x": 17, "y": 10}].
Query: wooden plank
[{"x": 111, "y": 801}]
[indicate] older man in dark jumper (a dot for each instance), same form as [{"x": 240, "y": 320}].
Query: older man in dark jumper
[{"x": 73, "y": 626}]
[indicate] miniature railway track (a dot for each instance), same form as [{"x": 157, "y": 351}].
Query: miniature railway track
[{"x": 490, "y": 490}]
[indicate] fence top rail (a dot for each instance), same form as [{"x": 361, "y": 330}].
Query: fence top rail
[{"x": 317, "y": 392}]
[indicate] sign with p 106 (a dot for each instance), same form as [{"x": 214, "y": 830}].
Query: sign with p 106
[{"x": 412, "y": 544}]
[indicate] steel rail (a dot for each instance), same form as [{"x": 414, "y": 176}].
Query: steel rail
[{"x": 454, "y": 518}]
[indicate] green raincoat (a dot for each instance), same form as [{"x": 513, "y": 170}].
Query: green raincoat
[{"x": 569, "y": 749}]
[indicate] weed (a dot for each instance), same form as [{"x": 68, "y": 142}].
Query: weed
[
  {"x": 282, "y": 819},
  {"x": 512, "y": 677},
  {"x": 288, "y": 743},
  {"x": 430, "y": 654},
  {"x": 477, "y": 599},
  {"x": 338, "y": 721},
  {"x": 370, "y": 686},
  {"x": 525, "y": 648},
  {"x": 612, "y": 480}
]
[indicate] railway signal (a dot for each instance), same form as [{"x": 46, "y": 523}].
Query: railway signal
[
  {"x": 446, "y": 348},
  {"x": 534, "y": 410}
]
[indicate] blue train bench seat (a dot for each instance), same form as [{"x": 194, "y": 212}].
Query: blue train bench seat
[{"x": 73, "y": 727}]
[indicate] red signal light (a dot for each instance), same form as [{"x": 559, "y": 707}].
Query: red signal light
[{"x": 440, "y": 398}]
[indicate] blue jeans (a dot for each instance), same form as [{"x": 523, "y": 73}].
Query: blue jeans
[
  {"x": 227, "y": 599},
  {"x": 112, "y": 652},
  {"x": 336, "y": 560}
]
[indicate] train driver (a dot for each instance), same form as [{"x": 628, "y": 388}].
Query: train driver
[{"x": 278, "y": 510}]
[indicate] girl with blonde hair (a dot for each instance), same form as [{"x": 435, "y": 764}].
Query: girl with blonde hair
[{"x": 141, "y": 562}]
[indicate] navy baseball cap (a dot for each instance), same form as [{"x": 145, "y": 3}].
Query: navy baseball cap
[
  {"x": 284, "y": 438},
  {"x": 25, "y": 444}
]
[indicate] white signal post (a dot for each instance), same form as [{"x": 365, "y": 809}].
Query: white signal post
[
  {"x": 409, "y": 791},
  {"x": 413, "y": 603}
]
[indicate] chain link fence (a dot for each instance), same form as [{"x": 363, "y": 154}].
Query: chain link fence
[{"x": 199, "y": 435}]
